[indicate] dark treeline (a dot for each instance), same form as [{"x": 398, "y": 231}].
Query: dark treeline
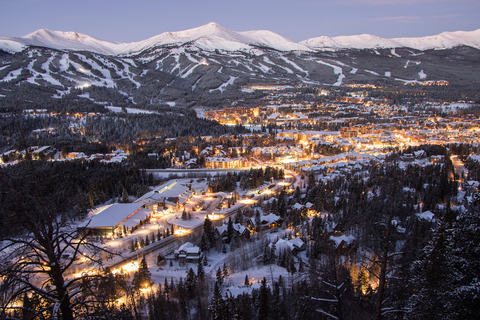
[
  {"x": 120, "y": 128},
  {"x": 125, "y": 127}
]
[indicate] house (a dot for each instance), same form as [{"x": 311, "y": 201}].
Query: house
[
  {"x": 267, "y": 222},
  {"x": 188, "y": 252},
  {"x": 42, "y": 152},
  {"x": 297, "y": 206},
  {"x": 294, "y": 245},
  {"x": 242, "y": 232}
]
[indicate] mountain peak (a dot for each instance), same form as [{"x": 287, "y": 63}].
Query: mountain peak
[{"x": 45, "y": 33}]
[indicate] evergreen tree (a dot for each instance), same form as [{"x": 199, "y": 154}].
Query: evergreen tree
[
  {"x": 225, "y": 271},
  {"x": 182, "y": 299},
  {"x": 200, "y": 270},
  {"x": 147, "y": 240},
  {"x": 125, "y": 198},
  {"x": 142, "y": 278},
  {"x": 258, "y": 221},
  {"x": 446, "y": 281},
  {"x": 190, "y": 283},
  {"x": 219, "y": 276},
  {"x": 218, "y": 307},
  {"x": 230, "y": 230},
  {"x": 209, "y": 232},
  {"x": 263, "y": 301}
]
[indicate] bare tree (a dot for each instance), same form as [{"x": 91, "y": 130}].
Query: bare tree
[{"x": 38, "y": 261}]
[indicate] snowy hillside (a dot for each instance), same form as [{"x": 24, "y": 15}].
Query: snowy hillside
[{"x": 443, "y": 40}]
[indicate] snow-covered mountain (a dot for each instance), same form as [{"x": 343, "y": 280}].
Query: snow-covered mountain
[
  {"x": 207, "y": 64},
  {"x": 215, "y": 37},
  {"x": 208, "y": 37},
  {"x": 443, "y": 40}
]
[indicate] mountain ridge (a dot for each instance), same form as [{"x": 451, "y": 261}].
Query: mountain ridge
[{"x": 213, "y": 36}]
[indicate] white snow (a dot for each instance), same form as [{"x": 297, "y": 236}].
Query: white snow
[
  {"x": 372, "y": 72},
  {"x": 338, "y": 240},
  {"x": 189, "y": 71},
  {"x": 427, "y": 215},
  {"x": 230, "y": 81},
  {"x": 366, "y": 41},
  {"x": 12, "y": 75},
  {"x": 294, "y": 65},
  {"x": 392, "y": 51},
  {"x": 422, "y": 74},
  {"x": 336, "y": 70}
]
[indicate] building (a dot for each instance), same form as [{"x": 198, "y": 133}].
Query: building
[
  {"x": 266, "y": 222},
  {"x": 171, "y": 195},
  {"x": 294, "y": 245},
  {"x": 188, "y": 252},
  {"x": 114, "y": 218},
  {"x": 242, "y": 232}
]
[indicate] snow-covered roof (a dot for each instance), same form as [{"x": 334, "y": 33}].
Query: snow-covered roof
[
  {"x": 282, "y": 245},
  {"x": 346, "y": 238},
  {"x": 236, "y": 226},
  {"x": 297, "y": 242},
  {"x": 297, "y": 206},
  {"x": 267, "y": 220},
  {"x": 171, "y": 190},
  {"x": 41, "y": 149},
  {"x": 135, "y": 219},
  {"x": 114, "y": 214},
  {"x": 273, "y": 116},
  {"x": 189, "y": 248},
  {"x": 427, "y": 215},
  {"x": 472, "y": 183}
]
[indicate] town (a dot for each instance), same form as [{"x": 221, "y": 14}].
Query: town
[{"x": 295, "y": 185}]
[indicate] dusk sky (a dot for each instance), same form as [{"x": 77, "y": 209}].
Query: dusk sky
[{"x": 135, "y": 20}]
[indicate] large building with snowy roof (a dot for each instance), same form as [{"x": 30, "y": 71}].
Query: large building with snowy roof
[
  {"x": 117, "y": 215},
  {"x": 129, "y": 215}
]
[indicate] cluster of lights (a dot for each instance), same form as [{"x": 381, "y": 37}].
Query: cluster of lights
[
  {"x": 127, "y": 268},
  {"x": 181, "y": 232}
]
